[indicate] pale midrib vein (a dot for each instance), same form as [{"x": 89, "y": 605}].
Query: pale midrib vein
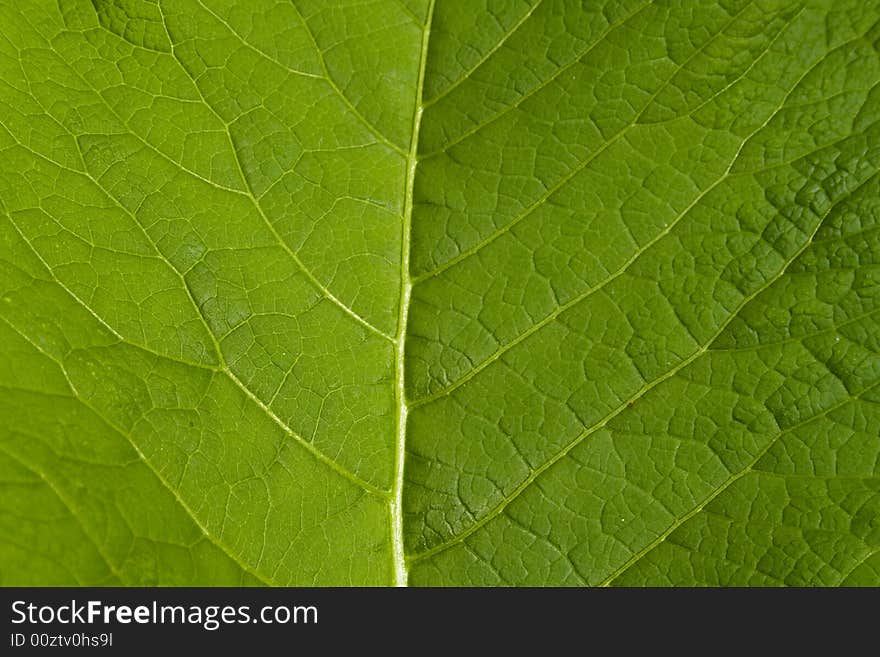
[
  {"x": 395, "y": 505},
  {"x": 748, "y": 469},
  {"x": 647, "y": 387}
]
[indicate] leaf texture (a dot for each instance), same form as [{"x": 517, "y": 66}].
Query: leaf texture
[{"x": 436, "y": 292}]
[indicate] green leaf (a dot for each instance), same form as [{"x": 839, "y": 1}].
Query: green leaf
[{"x": 504, "y": 293}]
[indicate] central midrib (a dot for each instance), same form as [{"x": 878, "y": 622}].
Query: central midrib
[{"x": 395, "y": 504}]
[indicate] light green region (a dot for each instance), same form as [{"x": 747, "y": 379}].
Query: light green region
[{"x": 296, "y": 292}]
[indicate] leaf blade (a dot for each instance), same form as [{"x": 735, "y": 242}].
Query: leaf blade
[{"x": 355, "y": 293}]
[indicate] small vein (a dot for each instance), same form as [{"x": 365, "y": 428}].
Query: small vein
[
  {"x": 409, "y": 12},
  {"x": 31, "y": 550},
  {"x": 579, "y": 58},
  {"x": 142, "y": 457},
  {"x": 620, "y": 271},
  {"x": 225, "y": 369},
  {"x": 562, "y": 182},
  {"x": 256, "y": 203},
  {"x": 748, "y": 469},
  {"x": 858, "y": 563},
  {"x": 648, "y": 386},
  {"x": 501, "y": 41},
  {"x": 534, "y": 328},
  {"x": 216, "y": 540},
  {"x": 326, "y": 460},
  {"x": 345, "y": 99},
  {"x": 70, "y": 508},
  {"x": 797, "y": 338},
  {"x": 211, "y": 537},
  {"x": 248, "y": 193},
  {"x": 313, "y": 279},
  {"x": 244, "y": 42}
]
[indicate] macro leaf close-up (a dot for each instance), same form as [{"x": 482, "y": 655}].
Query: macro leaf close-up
[{"x": 440, "y": 292}]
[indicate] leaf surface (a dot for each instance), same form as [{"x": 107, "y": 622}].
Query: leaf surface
[{"x": 453, "y": 293}]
